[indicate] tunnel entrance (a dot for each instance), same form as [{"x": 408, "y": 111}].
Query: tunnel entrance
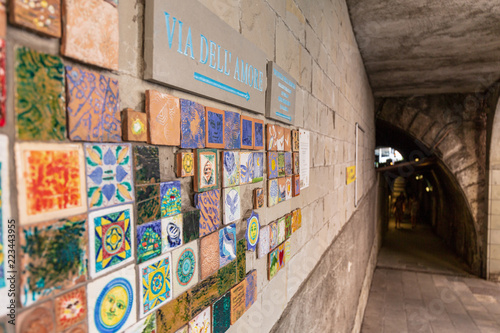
[{"x": 440, "y": 209}]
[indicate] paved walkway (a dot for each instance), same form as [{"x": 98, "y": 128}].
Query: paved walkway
[{"x": 420, "y": 286}]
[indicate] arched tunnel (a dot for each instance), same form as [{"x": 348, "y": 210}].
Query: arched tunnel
[{"x": 442, "y": 203}]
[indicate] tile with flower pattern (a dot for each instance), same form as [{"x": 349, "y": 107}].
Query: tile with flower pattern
[{"x": 156, "y": 284}]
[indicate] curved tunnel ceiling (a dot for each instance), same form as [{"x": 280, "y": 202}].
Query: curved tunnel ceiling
[{"x": 417, "y": 47}]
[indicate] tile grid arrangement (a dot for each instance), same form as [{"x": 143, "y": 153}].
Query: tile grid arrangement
[{"x": 127, "y": 223}]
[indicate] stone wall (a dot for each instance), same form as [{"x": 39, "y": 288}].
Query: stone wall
[{"x": 315, "y": 43}]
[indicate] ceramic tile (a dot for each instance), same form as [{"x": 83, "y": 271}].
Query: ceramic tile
[
  {"x": 296, "y": 163},
  {"x": 155, "y": 284},
  {"x": 288, "y": 188},
  {"x": 173, "y": 315},
  {"x": 282, "y": 189},
  {"x": 185, "y": 164},
  {"x": 42, "y": 16},
  {"x": 44, "y": 192},
  {"x": 90, "y": 33},
  {"x": 192, "y": 124},
  {"x": 146, "y": 325},
  {"x": 111, "y": 239},
  {"x": 230, "y": 168},
  {"x": 209, "y": 255},
  {"x": 280, "y": 138},
  {"x": 206, "y": 173},
  {"x": 288, "y": 226},
  {"x": 70, "y": 308},
  {"x": 148, "y": 241},
  {"x": 209, "y": 205},
  {"x": 246, "y": 167},
  {"x": 272, "y": 137},
  {"x": 251, "y": 289},
  {"x": 164, "y": 118},
  {"x": 146, "y": 165},
  {"x": 226, "y": 277},
  {"x": 281, "y": 230},
  {"x": 295, "y": 140},
  {"x": 214, "y": 128},
  {"x": 93, "y": 104},
  {"x": 39, "y": 103},
  {"x": 232, "y": 136},
  {"x": 272, "y": 165},
  {"x": 171, "y": 232},
  {"x": 288, "y": 139},
  {"x": 134, "y": 126},
  {"x": 272, "y": 192},
  {"x": 227, "y": 245},
  {"x": 241, "y": 246},
  {"x": 258, "y": 134},
  {"x": 252, "y": 232},
  {"x": 42, "y": 246},
  {"x": 273, "y": 264},
  {"x": 247, "y": 130},
  {"x": 185, "y": 267},
  {"x": 295, "y": 185},
  {"x": 221, "y": 314},
  {"x": 170, "y": 193},
  {"x": 232, "y": 204},
  {"x": 41, "y": 316},
  {"x": 109, "y": 174},
  {"x": 281, "y": 165},
  {"x": 203, "y": 295},
  {"x": 264, "y": 242},
  {"x": 273, "y": 235},
  {"x": 191, "y": 225},
  {"x": 3, "y": 19},
  {"x": 238, "y": 308},
  {"x": 258, "y": 167},
  {"x": 258, "y": 198},
  {"x": 202, "y": 322}
]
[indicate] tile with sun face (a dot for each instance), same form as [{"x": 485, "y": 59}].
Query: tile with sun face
[
  {"x": 206, "y": 170},
  {"x": 156, "y": 284},
  {"x": 111, "y": 238},
  {"x": 111, "y": 301},
  {"x": 70, "y": 308},
  {"x": 252, "y": 232},
  {"x": 214, "y": 128}
]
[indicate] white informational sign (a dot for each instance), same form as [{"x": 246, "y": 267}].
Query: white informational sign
[{"x": 305, "y": 154}]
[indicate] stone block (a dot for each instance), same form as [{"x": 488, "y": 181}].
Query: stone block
[
  {"x": 295, "y": 20},
  {"x": 274, "y": 300},
  {"x": 226, "y": 10},
  {"x": 131, "y": 26},
  {"x": 287, "y": 50},
  {"x": 310, "y": 114},
  {"x": 494, "y": 219},
  {"x": 305, "y": 69},
  {"x": 495, "y": 237},
  {"x": 258, "y": 25},
  {"x": 494, "y": 251}
]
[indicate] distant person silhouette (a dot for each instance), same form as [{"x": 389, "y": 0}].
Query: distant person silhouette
[{"x": 399, "y": 209}]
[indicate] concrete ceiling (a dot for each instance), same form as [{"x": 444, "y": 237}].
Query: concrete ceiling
[{"x": 416, "y": 47}]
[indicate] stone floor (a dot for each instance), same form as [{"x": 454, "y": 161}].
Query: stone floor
[{"x": 420, "y": 286}]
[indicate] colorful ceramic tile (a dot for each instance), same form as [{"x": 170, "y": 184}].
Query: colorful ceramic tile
[
  {"x": 272, "y": 137},
  {"x": 288, "y": 164},
  {"x": 146, "y": 165},
  {"x": 185, "y": 264},
  {"x": 258, "y": 167},
  {"x": 111, "y": 239},
  {"x": 148, "y": 241},
  {"x": 185, "y": 164},
  {"x": 39, "y": 96},
  {"x": 5, "y": 216},
  {"x": 288, "y": 139},
  {"x": 294, "y": 221},
  {"x": 53, "y": 257},
  {"x": 113, "y": 2},
  {"x": 90, "y": 33},
  {"x": 203, "y": 295},
  {"x": 206, "y": 172},
  {"x": 192, "y": 124},
  {"x": 272, "y": 165},
  {"x": 246, "y": 167},
  {"x": 70, "y": 308},
  {"x": 230, "y": 168},
  {"x": 155, "y": 284},
  {"x": 281, "y": 255},
  {"x": 288, "y": 188},
  {"x": 273, "y": 264},
  {"x": 273, "y": 235},
  {"x": 258, "y": 134},
  {"x": 146, "y": 325},
  {"x": 191, "y": 225},
  {"x": 251, "y": 289},
  {"x": 288, "y": 226},
  {"x": 109, "y": 174},
  {"x": 170, "y": 193},
  {"x": 264, "y": 242},
  {"x": 295, "y": 140},
  {"x": 134, "y": 126},
  {"x": 280, "y": 139},
  {"x": 295, "y": 185},
  {"x": 288, "y": 250},
  {"x": 272, "y": 192},
  {"x": 209, "y": 255},
  {"x": 183, "y": 329},
  {"x": 37, "y": 319},
  {"x": 258, "y": 198},
  {"x": 202, "y": 323},
  {"x": 246, "y": 132},
  {"x": 111, "y": 301},
  {"x": 232, "y": 204},
  {"x": 282, "y": 189},
  {"x": 281, "y": 165},
  {"x": 227, "y": 245},
  {"x": 173, "y": 315},
  {"x": 209, "y": 205},
  {"x": 241, "y": 259},
  {"x": 296, "y": 163},
  {"x": 232, "y": 130},
  {"x": 3, "y": 72},
  {"x": 93, "y": 106},
  {"x": 252, "y": 233},
  {"x": 221, "y": 314},
  {"x": 299, "y": 218},
  {"x": 82, "y": 327},
  {"x": 226, "y": 277},
  {"x": 238, "y": 294},
  {"x": 214, "y": 128},
  {"x": 281, "y": 230},
  {"x": 164, "y": 118},
  {"x": 42, "y": 16},
  {"x": 148, "y": 203},
  {"x": 171, "y": 232},
  {"x": 44, "y": 191}
]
